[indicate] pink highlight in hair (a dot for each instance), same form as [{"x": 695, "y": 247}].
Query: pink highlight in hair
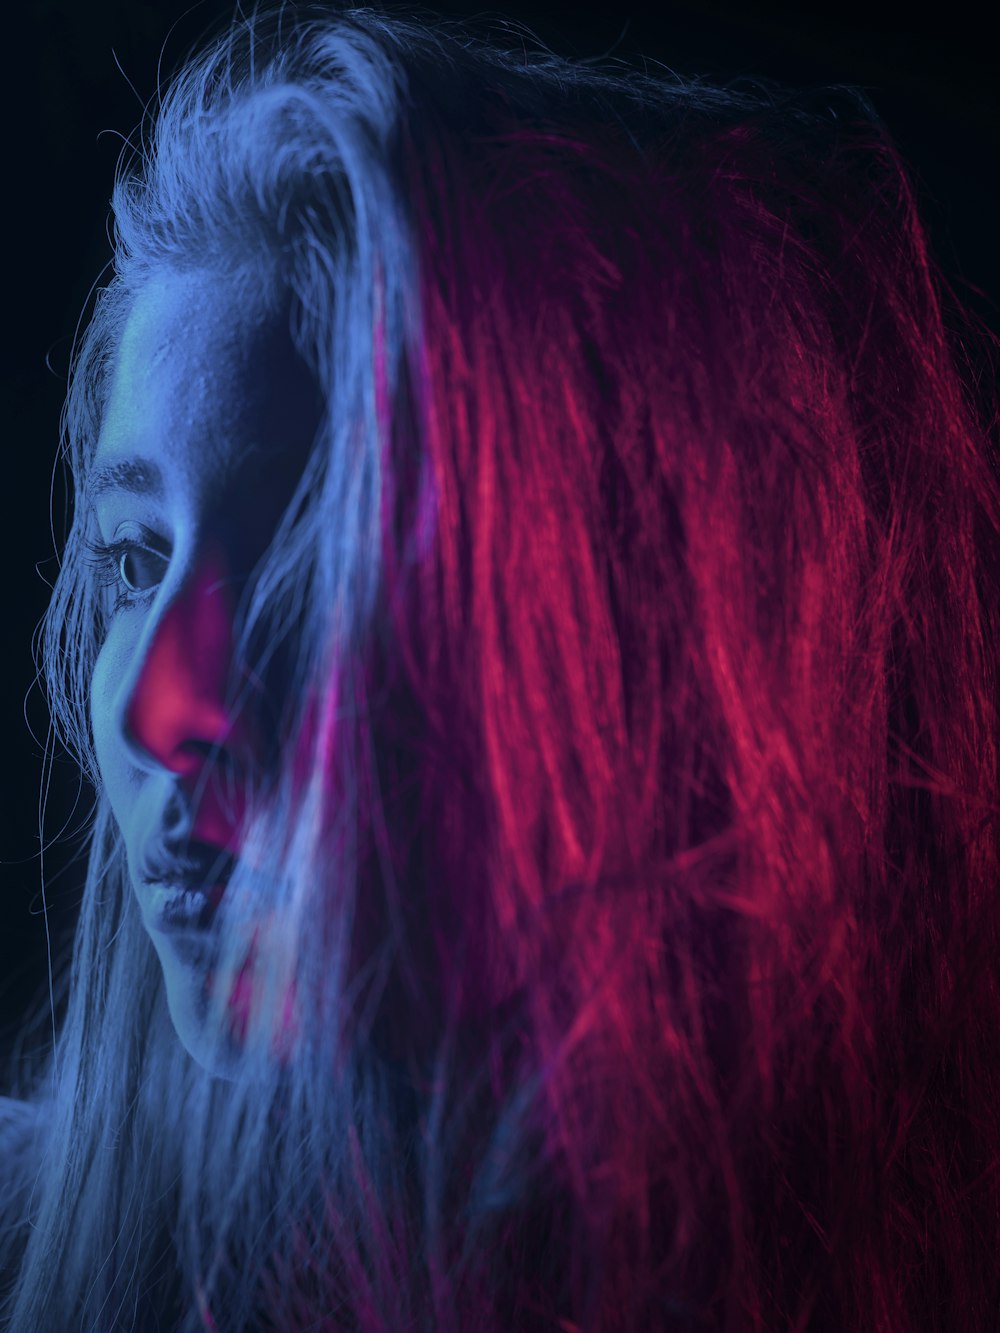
[{"x": 676, "y": 542}]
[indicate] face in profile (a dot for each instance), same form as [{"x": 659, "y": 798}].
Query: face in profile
[{"x": 208, "y": 426}]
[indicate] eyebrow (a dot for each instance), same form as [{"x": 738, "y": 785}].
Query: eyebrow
[{"x": 141, "y": 476}]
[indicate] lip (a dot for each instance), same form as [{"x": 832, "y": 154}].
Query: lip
[
  {"x": 183, "y": 884},
  {"x": 173, "y": 908},
  {"x": 191, "y": 863}
]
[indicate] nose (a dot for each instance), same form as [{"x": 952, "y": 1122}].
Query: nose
[{"x": 175, "y": 713}]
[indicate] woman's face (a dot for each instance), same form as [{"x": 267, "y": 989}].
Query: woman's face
[{"x": 208, "y": 426}]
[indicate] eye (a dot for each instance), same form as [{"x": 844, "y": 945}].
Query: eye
[
  {"x": 139, "y": 568},
  {"x": 132, "y": 565}
]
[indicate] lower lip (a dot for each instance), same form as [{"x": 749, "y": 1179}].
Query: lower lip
[{"x": 175, "y": 909}]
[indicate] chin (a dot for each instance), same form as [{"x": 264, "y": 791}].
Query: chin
[
  {"x": 187, "y": 1001},
  {"x": 220, "y": 1050}
]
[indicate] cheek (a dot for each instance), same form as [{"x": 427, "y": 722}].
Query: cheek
[{"x": 108, "y": 673}]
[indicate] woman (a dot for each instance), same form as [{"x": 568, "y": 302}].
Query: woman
[{"x": 530, "y": 620}]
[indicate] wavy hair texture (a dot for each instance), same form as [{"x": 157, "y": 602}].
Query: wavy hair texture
[{"x": 635, "y": 826}]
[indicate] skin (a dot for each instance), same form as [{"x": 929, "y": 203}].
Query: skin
[{"x": 209, "y": 401}]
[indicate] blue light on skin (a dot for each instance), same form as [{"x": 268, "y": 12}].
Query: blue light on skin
[{"x": 208, "y": 426}]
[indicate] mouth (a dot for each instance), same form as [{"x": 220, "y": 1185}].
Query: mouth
[{"x": 183, "y": 887}]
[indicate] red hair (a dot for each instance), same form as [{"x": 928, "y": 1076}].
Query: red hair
[{"x": 708, "y": 636}]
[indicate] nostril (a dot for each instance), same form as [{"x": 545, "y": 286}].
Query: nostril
[
  {"x": 207, "y": 763},
  {"x": 209, "y": 752}
]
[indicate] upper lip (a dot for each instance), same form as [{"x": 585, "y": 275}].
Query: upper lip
[{"x": 191, "y": 864}]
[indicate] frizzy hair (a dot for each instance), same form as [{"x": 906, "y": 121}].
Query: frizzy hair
[{"x": 640, "y": 602}]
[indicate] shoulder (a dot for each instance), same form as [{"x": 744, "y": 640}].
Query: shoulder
[
  {"x": 19, "y": 1125},
  {"x": 19, "y": 1157},
  {"x": 16, "y": 1116}
]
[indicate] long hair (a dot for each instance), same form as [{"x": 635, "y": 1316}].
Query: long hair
[{"x": 634, "y": 833}]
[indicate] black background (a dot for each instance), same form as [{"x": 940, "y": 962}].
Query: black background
[{"x": 75, "y": 79}]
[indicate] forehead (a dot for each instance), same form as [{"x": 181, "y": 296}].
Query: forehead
[{"x": 205, "y": 377}]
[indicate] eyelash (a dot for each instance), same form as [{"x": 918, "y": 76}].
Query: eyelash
[{"x": 106, "y": 557}]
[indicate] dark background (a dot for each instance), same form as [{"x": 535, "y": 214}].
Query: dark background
[{"x": 76, "y": 76}]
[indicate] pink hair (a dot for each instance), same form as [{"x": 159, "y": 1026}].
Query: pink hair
[{"x": 709, "y": 630}]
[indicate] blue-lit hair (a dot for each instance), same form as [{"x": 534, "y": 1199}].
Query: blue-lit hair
[{"x": 638, "y": 614}]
